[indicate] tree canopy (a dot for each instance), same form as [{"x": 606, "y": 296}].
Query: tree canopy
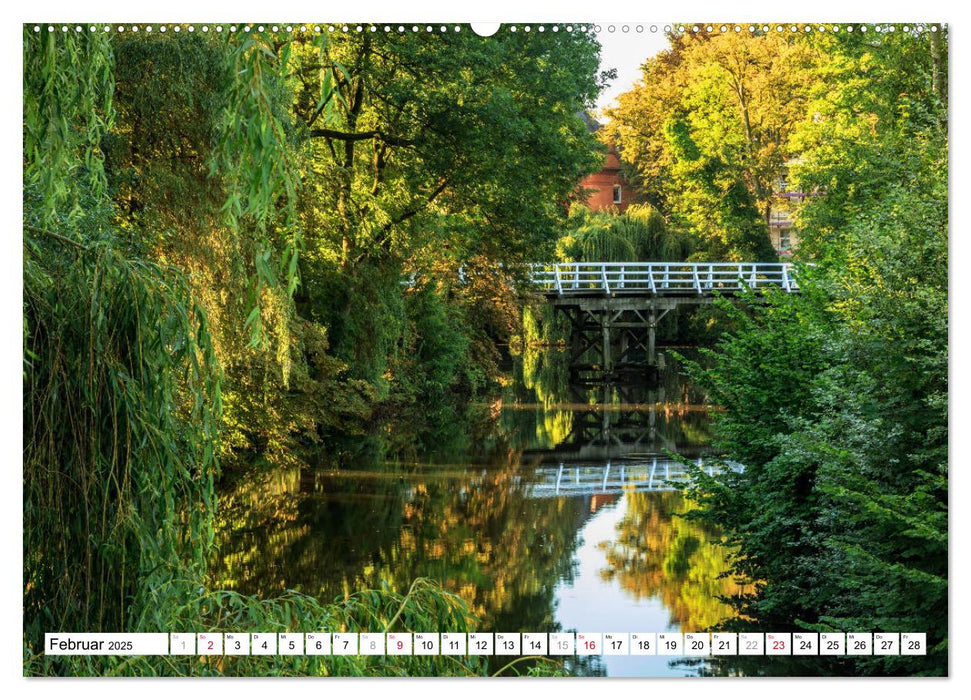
[
  {"x": 705, "y": 132},
  {"x": 215, "y": 230},
  {"x": 836, "y": 398}
]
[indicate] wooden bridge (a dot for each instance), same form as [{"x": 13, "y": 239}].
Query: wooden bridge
[
  {"x": 659, "y": 279},
  {"x": 613, "y": 308}
]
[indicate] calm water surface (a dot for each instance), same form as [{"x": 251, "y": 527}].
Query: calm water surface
[{"x": 547, "y": 510}]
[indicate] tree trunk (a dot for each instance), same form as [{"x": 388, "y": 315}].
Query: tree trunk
[{"x": 939, "y": 70}]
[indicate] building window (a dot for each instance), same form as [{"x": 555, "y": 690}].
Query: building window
[
  {"x": 616, "y": 194},
  {"x": 784, "y": 242},
  {"x": 779, "y": 217}
]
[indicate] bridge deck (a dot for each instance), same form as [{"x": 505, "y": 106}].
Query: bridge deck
[{"x": 654, "y": 279}]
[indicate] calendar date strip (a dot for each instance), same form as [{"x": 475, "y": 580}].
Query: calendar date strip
[{"x": 691, "y": 644}]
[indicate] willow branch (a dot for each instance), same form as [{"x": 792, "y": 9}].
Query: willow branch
[
  {"x": 57, "y": 236},
  {"x": 360, "y": 136}
]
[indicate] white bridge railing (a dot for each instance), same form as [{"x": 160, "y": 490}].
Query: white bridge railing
[
  {"x": 657, "y": 474},
  {"x": 659, "y": 278}
]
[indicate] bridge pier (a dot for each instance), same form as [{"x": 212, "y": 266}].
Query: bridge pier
[
  {"x": 608, "y": 361},
  {"x": 651, "y": 329},
  {"x": 614, "y": 336}
]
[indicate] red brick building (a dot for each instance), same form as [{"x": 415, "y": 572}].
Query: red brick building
[{"x": 606, "y": 188}]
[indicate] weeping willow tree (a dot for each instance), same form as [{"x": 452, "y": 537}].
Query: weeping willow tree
[
  {"x": 640, "y": 234},
  {"x": 122, "y": 384},
  {"x": 120, "y": 407},
  {"x": 204, "y": 164},
  {"x": 121, "y": 392}
]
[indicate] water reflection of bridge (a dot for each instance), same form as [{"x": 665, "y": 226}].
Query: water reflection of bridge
[
  {"x": 601, "y": 433},
  {"x": 623, "y": 423},
  {"x": 654, "y": 473}
]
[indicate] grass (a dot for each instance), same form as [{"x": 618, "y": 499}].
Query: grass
[{"x": 425, "y": 607}]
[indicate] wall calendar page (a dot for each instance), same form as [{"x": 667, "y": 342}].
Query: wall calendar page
[{"x": 450, "y": 349}]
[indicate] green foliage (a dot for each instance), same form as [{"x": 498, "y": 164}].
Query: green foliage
[
  {"x": 879, "y": 123},
  {"x": 639, "y": 234},
  {"x": 716, "y": 202},
  {"x": 432, "y": 155},
  {"x": 163, "y": 167},
  {"x": 774, "y": 353},
  {"x": 425, "y": 607},
  {"x": 707, "y": 131},
  {"x": 68, "y": 91},
  {"x": 121, "y": 387},
  {"x": 435, "y": 357},
  {"x": 836, "y": 400},
  {"x": 260, "y": 164},
  {"x": 121, "y": 403},
  {"x": 319, "y": 166},
  {"x": 447, "y": 352},
  {"x": 430, "y": 130}
]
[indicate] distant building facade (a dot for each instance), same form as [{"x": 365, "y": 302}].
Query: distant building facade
[
  {"x": 606, "y": 188},
  {"x": 782, "y": 232}
]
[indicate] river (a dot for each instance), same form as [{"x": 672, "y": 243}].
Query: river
[{"x": 547, "y": 510}]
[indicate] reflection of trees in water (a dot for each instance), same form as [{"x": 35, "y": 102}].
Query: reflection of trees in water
[
  {"x": 657, "y": 553},
  {"x": 545, "y": 411},
  {"x": 542, "y": 379},
  {"x": 378, "y": 510},
  {"x": 332, "y": 532},
  {"x": 543, "y": 374},
  {"x": 586, "y": 666}
]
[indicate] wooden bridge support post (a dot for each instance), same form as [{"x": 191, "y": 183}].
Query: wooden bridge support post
[
  {"x": 651, "y": 326},
  {"x": 615, "y": 335},
  {"x": 608, "y": 363}
]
